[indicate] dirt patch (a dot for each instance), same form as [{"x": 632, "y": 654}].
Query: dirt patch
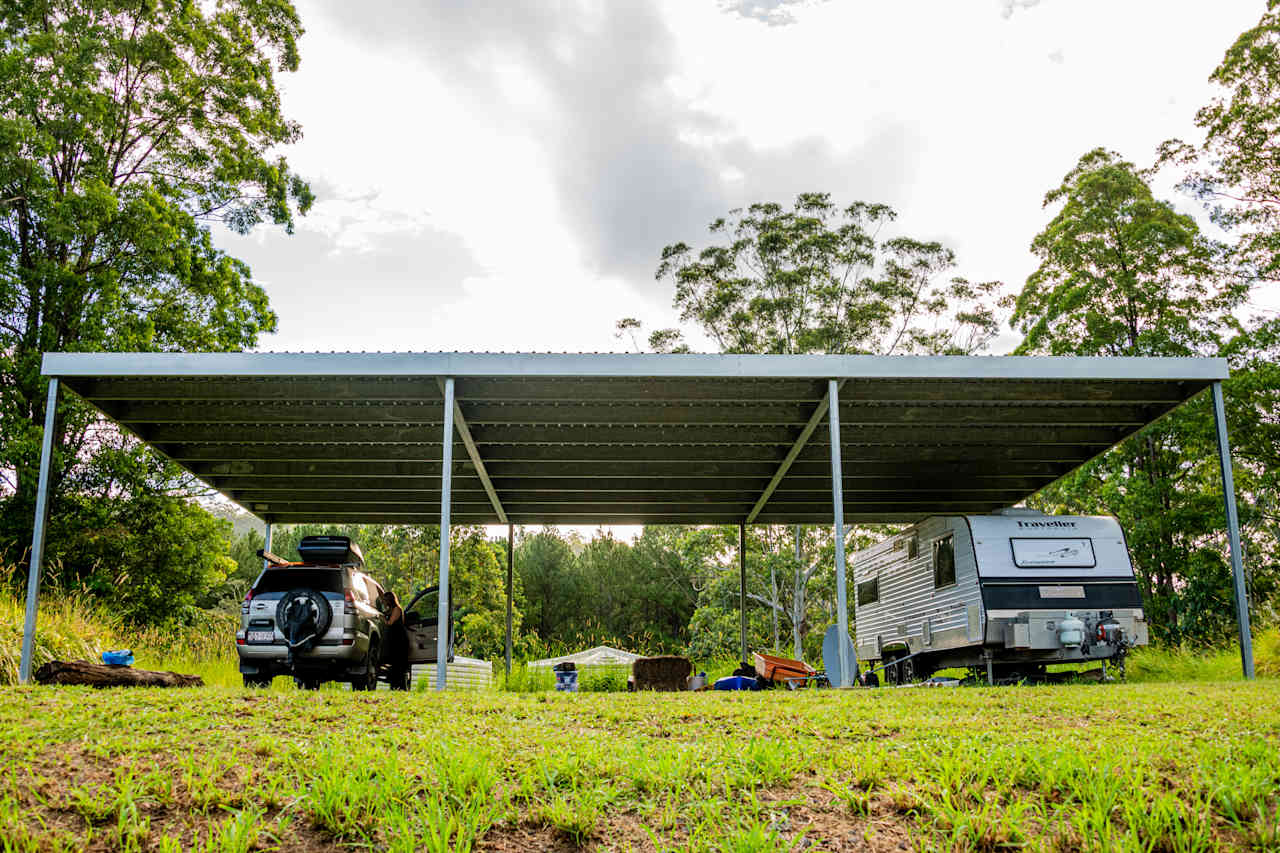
[{"x": 513, "y": 838}]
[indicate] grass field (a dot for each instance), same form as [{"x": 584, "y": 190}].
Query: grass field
[{"x": 1141, "y": 767}]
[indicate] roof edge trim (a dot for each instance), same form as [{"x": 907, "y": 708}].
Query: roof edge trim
[{"x": 629, "y": 365}]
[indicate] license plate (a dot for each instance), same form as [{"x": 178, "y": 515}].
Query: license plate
[{"x": 261, "y": 636}]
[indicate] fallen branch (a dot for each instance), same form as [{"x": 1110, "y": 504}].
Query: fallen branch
[{"x": 104, "y": 675}]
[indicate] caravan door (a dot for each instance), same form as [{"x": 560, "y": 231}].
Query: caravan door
[{"x": 422, "y": 621}]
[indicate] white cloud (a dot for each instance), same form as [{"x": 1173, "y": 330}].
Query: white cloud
[
  {"x": 1008, "y": 7},
  {"x": 504, "y": 176}
]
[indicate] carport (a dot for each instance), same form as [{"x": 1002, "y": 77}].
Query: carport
[{"x": 529, "y": 438}]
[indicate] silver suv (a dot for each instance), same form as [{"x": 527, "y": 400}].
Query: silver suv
[{"x": 324, "y": 619}]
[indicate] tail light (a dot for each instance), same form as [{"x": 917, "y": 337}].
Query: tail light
[
  {"x": 349, "y": 601},
  {"x": 244, "y": 605}
]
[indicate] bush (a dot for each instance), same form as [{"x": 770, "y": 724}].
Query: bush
[{"x": 603, "y": 679}]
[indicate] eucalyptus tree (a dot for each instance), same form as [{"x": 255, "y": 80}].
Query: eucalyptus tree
[
  {"x": 819, "y": 278},
  {"x": 1235, "y": 167},
  {"x": 1124, "y": 274},
  {"x": 816, "y": 277},
  {"x": 127, "y": 129}
]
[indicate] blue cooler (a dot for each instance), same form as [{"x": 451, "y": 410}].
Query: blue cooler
[{"x": 567, "y": 682}]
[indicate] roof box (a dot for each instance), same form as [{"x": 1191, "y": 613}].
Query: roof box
[{"x": 330, "y": 549}]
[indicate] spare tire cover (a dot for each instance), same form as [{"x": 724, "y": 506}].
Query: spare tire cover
[{"x": 314, "y": 600}]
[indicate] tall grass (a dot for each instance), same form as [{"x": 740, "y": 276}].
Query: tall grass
[
  {"x": 74, "y": 628},
  {"x": 1183, "y": 663}
]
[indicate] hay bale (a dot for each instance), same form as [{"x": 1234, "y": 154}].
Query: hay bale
[{"x": 664, "y": 672}]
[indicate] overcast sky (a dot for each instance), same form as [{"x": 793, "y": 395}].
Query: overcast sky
[{"x": 496, "y": 175}]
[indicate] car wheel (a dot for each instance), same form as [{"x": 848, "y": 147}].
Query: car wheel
[
  {"x": 369, "y": 681},
  {"x": 307, "y": 683},
  {"x": 258, "y": 682}
]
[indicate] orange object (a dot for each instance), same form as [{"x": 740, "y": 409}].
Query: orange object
[{"x": 781, "y": 670}]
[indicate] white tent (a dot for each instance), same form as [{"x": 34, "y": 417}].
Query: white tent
[{"x": 599, "y": 656}]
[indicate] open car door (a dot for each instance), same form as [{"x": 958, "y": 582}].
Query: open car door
[{"x": 422, "y": 621}]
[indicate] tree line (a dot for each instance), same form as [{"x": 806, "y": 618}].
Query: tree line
[{"x": 127, "y": 133}]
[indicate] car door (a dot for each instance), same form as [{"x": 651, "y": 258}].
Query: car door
[{"x": 422, "y": 621}]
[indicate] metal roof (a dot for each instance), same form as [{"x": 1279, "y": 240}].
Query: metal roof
[{"x": 610, "y": 438}]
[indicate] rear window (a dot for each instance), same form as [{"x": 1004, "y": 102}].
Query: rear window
[{"x": 283, "y": 580}]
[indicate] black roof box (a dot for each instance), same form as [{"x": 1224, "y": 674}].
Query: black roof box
[{"x": 330, "y": 549}]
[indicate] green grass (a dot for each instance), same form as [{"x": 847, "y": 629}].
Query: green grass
[{"x": 1129, "y": 767}]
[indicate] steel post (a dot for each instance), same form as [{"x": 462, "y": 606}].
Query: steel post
[
  {"x": 266, "y": 545},
  {"x": 446, "y": 487},
  {"x": 1233, "y": 531},
  {"x": 837, "y": 508},
  {"x": 37, "y": 535},
  {"x": 742, "y": 588},
  {"x": 511, "y": 543}
]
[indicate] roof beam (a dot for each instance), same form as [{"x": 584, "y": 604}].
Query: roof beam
[
  {"x": 567, "y": 471},
  {"x": 552, "y": 390},
  {"x": 638, "y": 414},
  {"x": 813, "y": 460},
  {"x": 785, "y": 465},
  {"x": 464, "y": 432},
  {"x": 593, "y": 485}
]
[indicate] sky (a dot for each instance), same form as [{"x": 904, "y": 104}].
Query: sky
[{"x": 500, "y": 175}]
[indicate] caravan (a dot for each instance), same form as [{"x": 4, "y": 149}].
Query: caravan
[{"x": 1010, "y": 592}]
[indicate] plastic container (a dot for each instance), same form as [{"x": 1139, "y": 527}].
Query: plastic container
[
  {"x": 119, "y": 657},
  {"x": 567, "y": 682}
]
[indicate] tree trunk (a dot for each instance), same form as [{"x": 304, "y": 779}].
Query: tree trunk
[
  {"x": 773, "y": 610},
  {"x": 797, "y": 602},
  {"x": 103, "y": 675}
]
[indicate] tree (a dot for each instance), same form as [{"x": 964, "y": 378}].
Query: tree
[
  {"x": 547, "y": 568},
  {"x": 126, "y": 130},
  {"x": 1235, "y": 168},
  {"x": 1124, "y": 274},
  {"x": 818, "y": 278}
]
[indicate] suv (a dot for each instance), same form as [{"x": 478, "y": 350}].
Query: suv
[{"x": 324, "y": 619}]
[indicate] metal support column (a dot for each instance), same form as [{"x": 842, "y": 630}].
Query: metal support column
[
  {"x": 511, "y": 544},
  {"x": 37, "y": 535},
  {"x": 266, "y": 545},
  {"x": 446, "y": 489},
  {"x": 837, "y": 508},
  {"x": 1233, "y": 532},
  {"x": 742, "y": 587}
]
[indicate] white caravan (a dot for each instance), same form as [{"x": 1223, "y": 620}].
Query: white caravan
[{"x": 1011, "y": 592}]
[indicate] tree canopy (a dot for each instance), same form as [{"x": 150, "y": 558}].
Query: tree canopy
[
  {"x": 818, "y": 278},
  {"x": 1235, "y": 167},
  {"x": 126, "y": 130}
]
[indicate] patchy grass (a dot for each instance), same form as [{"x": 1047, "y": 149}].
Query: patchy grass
[{"x": 1141, "y": 767}]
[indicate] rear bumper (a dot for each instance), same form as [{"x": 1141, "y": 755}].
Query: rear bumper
[{"x": 329, "y": 656}]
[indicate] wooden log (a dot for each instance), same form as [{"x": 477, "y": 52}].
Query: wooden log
[{"x": 105, "y": 675}]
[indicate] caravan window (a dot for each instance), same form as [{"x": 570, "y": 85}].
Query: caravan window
[
  {"x": 944, "y": 562},
  {"x": 869, "y": 592}
]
